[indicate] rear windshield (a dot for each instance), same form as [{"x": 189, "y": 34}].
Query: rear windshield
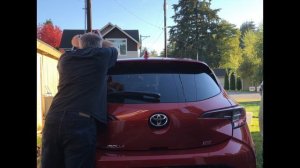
[{"x": 160, "y": 87}]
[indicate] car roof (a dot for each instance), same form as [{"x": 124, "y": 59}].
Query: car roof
[
  {"x": 161, "y": 65},
  {"x": 162, "y": 59}
]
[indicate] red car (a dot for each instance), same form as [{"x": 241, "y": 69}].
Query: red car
[{"x": 172, "y": 113}]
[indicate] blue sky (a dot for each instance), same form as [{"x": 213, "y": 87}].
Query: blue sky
[{"x": 144, "y": 15}]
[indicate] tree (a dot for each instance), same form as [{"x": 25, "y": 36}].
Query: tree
[
  {"x": 226, "y": 81},
  {"x": 193, "y": 34},
  {"x": 251, "y": 59},
  {"x": 246, "y": 26},
  {"x": 49, "y": 33},
  {"x": 238, "y": 83},
  {"x": 259, "y": 51},
  {"x": 170, "y": 50},
  {"x": 228, "y": 46},
  {"x": 232, "y": 81}
]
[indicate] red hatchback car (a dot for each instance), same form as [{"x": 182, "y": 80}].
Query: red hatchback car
[{"x": 172, "y": 113}]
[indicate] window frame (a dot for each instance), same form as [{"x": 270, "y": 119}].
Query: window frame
[{"x": 118, "y": 48}]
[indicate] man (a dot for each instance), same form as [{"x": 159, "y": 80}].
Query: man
[
  {"x": 261, "y": 110},
  {"x": 69, "y": 134}
]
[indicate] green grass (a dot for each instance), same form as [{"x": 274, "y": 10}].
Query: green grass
[{"x": 253, "y": 106}]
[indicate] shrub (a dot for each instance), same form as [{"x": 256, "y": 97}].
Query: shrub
[
  {"x": 232, "y": 81},
  {"x": 238, "y": 83},
  {"x": 226, "y": 82}
]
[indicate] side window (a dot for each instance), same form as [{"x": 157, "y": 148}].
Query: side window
[{"x": 206, "y": 87}]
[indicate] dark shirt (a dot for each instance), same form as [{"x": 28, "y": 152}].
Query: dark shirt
[{"x": 83, "y": 81}]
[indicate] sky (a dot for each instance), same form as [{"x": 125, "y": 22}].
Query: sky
[{"x": 147, "y": 16}]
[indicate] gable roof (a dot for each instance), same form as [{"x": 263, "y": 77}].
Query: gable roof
[
  {"x": 219, "y": 72},
  {"x": 123, "y": 31},
  {"x": 134, "y": 34},
  {"x": 106, "y": 28},
  {"x": 69, "y": 33}
]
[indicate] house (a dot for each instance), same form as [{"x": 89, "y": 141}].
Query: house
[
  {"x": 220, "y": 73},
  {"x": 126, "y": 41},
  {"x": 47, "y": 79}
]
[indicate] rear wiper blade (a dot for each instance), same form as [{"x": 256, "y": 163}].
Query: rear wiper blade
[{"x": 138, "y": 95}]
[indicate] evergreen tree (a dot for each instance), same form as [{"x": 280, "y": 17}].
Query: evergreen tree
[
  {"x": 194, "y": 30},
  {"x": 226, "y": 81},
  {"x": 232, "y": 81},
  {"x": 238, "y": 83}
]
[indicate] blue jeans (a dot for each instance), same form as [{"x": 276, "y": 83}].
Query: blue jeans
[{"x": 69, "y": 140}]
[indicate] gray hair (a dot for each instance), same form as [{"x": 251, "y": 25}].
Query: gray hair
[{"x": 92, "y": 40}]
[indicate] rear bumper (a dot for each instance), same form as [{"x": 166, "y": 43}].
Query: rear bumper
[{"x": 231, "y": 153}]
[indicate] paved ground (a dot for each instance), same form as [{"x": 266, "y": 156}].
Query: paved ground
[{"x": 245, "y": 95}]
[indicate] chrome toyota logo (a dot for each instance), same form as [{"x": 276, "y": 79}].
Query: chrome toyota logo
[{"x": 159, "y": 120}]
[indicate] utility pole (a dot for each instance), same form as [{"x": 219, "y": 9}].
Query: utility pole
[
  {"x": 85, "y": 14},
  {"x": 89, "y": 15},
  {"x": 165, "y": 27},
  {"x": 141, "y": 39}
]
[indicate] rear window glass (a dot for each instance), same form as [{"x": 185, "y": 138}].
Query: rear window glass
[{"x": 171, "y": 87}]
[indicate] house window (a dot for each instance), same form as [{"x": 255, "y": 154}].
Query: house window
[{"x": 120, "y": 44}]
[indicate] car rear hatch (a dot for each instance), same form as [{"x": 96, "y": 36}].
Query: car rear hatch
[{"x": 159, "y": 105}]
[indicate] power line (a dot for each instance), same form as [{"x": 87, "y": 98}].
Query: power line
[
  {"x": 141, "y": 19},
  {"x": 157, "y": 39}
]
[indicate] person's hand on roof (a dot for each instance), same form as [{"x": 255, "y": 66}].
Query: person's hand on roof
[{"x": 76, "y": 40}]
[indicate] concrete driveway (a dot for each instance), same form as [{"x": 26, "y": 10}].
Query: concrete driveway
[{"x": 245, "y": 96}]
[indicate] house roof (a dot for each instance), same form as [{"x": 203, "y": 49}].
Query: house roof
[
  {"x": 133, "y": 33},
  {"x": 69, "y": 33},
  {"x": 106, "y": 28},
  {"x": 67, "y": 36},
  {"x": 219, "y": 72}
]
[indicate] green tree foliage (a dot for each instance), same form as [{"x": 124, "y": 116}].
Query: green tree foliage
[
  {"x": 246, "y": 26},
  {"x": 252, "y": 60},
  {"x": 238, "y": 83},
  {"x": 196, "y": 25},
  {"x": 232, "y": 81},
  {"x": 226, "y": 81},
  {"x": 228, "y": 45},
  {"x": 170, "y": 51},
  {"x": 259, "y": 51}
]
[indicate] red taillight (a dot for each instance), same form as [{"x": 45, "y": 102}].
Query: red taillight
[{"x": 236, "y": 115}]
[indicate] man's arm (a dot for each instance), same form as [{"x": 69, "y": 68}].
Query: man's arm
[{"x": 107, "y": 44}]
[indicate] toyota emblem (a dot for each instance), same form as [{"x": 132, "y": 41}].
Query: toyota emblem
[{"x": 158, "y": 120}]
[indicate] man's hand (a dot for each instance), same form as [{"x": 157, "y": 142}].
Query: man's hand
[{"x": 76, "y": 40}]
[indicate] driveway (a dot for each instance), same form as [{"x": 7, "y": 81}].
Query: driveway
[{"x": 245, "y": 96}]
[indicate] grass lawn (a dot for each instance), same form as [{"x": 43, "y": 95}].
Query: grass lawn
[{"x": 253, "y": 106}]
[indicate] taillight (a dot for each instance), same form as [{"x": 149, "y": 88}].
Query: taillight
[{"x": 236, "y": 115}]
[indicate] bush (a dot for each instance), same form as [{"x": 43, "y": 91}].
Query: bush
[
  {"x": 232, "y": 81},
  {"x": 226, "y": 82},
  {"x": 238, "y": 83}
]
